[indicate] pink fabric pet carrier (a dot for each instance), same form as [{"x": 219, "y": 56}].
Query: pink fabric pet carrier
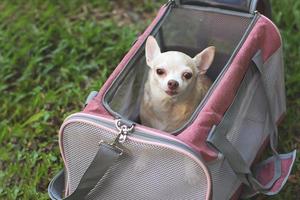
[{"x": 108, "y": 154}]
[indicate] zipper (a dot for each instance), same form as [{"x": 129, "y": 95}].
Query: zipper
[{"x": 138, "y": 132}]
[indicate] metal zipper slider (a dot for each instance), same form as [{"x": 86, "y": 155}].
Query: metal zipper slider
[
  {"x": 124, "y": 130},
  {"x": 170, "y": 2}
]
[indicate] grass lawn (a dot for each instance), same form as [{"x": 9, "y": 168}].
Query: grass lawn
[{"x": 52, "y": 53}]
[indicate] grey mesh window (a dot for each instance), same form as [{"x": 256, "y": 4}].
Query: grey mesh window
[{"x": 189, "y": 29}]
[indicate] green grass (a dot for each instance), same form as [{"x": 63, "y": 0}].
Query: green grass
[{"x": 52, "y": 53}]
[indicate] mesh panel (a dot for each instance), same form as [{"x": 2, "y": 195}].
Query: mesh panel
[
  {"x": 248, "y": 126},
  {"x": 274, "y": 75},
  {"x": 144, "y": 171},
  {"x": 128, "y": 93},
  {"x": 225, "y": 182},
  {"x": 192, "y": 30},
  {"x": 187, "y": 30}
]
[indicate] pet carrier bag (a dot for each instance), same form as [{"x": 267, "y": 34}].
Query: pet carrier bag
[{"x": 108, "y": 154}]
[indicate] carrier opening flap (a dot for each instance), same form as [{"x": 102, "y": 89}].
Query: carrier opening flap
[{"x": 248, "y": 6}]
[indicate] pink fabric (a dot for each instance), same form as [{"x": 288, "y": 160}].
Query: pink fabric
[
  {"x": 266, "y": 173},
  {"x": 264, "y": 36},
  {"x": 95, "y": 106},
  {"x": 286, "y": 164}
]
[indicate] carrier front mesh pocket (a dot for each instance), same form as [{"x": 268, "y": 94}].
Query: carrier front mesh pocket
[{"x": 146, "y": 170}]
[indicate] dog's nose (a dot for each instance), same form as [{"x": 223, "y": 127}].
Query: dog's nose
[{"x": 172, "y": 84}]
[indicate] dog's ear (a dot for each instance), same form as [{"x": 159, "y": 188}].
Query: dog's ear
[
  {"x": 152, "y": 50},
  {"x": 204, "y": 59}
]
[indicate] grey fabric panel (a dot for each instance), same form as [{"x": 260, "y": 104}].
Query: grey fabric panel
[
  {"x": 273, "y": 84},
  {"x": 143, "y": 172},
  {"x": 221, "y": 143},
  {"x": 244, "y": 125},
  {"x": 274, "y": 75},
  {"x": 245, "y": 121},
  {"x": 225, "y": 181},
  {"x": 249, "y": 122},
  {"x": 186, "y": 30}
]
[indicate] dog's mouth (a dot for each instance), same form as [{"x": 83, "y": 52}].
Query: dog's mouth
[{"x": 171, "y": 92}]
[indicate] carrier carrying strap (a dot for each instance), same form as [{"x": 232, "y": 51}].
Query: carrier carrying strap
[
  {"x": 105, "y": 158},
  {"x": 217, "y": 138}
]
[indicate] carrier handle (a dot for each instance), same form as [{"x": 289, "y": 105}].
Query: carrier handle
[
  {"x": 104, "y": 159},
  {"x": 217, "y": 138},
  {"x": 248, "y": 6},
  {"x": 258, "y": 62}
]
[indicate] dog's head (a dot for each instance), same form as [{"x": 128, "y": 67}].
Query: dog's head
[{"x": 174, "y": 72}]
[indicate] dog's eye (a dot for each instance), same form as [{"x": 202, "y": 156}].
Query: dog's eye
[
  {"x": 160, "y": 71},
  {"x": 187, "y": 75}
]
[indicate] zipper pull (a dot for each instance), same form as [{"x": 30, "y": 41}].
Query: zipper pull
[
  {"x": 124, "y": 130},
  {"x": 171, "y": 3}
]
